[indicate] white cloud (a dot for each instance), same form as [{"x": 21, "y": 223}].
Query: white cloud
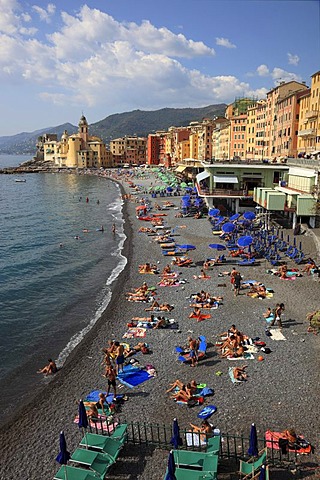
[
  {"x": 45, "y": 14},
  {"x": 280, "y": 75},
  {"x": 263, "y": 70},
  {"x": 224, "y": 42},
  {"x": 293, "y": 59}
]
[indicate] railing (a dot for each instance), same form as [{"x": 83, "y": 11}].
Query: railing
[
  {"x": 159, "y": 436},
  {"x": 221, "y": 192}
]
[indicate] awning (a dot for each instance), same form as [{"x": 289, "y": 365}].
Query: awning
[
  {"x": 202, "y": 176},
  {"x": 180, "y": 168},
  {"x": 225, "y": 179}
]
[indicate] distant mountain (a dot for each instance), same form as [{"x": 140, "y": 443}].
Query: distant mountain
[
  {"x": 137, "y": 122},
  {"x": 25, "y": 142},
  {"x": 141, "y": 123}
]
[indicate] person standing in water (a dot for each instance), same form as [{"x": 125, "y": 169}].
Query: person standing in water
[{"x": 113, "y": 228}]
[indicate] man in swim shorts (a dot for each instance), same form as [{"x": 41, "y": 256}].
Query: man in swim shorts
[
  {"x": 119, "y": 357},
  {"x": 111, "y": 376}
]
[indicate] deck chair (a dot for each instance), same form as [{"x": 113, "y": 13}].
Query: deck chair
[
  {"x": 97, "y": 462},
  {"x": 257, "y": 475},
  {"x": 75, "y": 473},
  {"x": 249, "y": 469},
  {"x": 120, "y": 433},
  {"x": 102, "y": 444},
  {"x": 213, "y": 444},
  {"x": 203, "y": 461}
]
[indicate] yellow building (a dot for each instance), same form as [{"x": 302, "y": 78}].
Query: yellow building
[
  {"x": 309, "y": 119},
  {"x": 132, "y": 150},
  {"x": 79, "y": 150}
]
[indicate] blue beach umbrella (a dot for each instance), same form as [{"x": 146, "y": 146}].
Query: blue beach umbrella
[
  {"x": 63, "y": 456},
  {"x": 253, "y": 445},
  {"x": 169, "y": 189},
  {"x": 244, "y": 241},
  {"x": 171, "y": 468},
  {"x": 186, "y": 247},
  {"x": 228, "y": 227},
  {"x": 214, "y": 212},
  {"x": 234, "y": 217},
  {"x": 176, "y": 440},
  {"x": 249, "y": 215},
  {"x": 217, "y": 246}
]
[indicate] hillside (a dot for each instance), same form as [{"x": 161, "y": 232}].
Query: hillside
[
  {"x": 141, "y": 123},
  {"x": 137, "y": 122}
]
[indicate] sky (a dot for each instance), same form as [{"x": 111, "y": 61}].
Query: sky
[{"x": 61, "y": 59}]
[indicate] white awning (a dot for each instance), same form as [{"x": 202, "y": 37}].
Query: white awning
[
  {"x": 225, "y": 179},
  {"x": 202, "y": 176}
]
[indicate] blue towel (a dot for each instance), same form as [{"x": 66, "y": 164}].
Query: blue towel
[{"x": 134, "y": 378}]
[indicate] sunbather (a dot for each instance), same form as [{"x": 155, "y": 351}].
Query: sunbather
[
  {"x": 184, "y": 394},
  {"x": 205, "y": 429},
  {"x": 161, "y": 323},
  {"x": 268, "y": 313},
  {"x": 239, "y": 373},
  {"x": 166, "y": 270},
  {"x": 163, "y": 307},
  {"x": 49, "y": 369},
  {"x": 101, "y": 402},
  {"x": 93, "y": 413}
]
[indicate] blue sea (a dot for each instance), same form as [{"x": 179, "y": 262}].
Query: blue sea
[{"x": 53, "y": 285}]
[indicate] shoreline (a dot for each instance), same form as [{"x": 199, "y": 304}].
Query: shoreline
[{"x": 33, "y": 432}]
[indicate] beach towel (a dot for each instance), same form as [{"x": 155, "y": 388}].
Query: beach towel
[
  {"x": 133, "y": 376},
  {"x": 194, "y": 439},
  {"x": 135, "y": 332},
  {"x": 200, "y": 317},
  {"x": 272, "y": 441},
  {"x": 288, "y": 278},
  {"x": 246, "y": 356},
  {"x": 93, "y": 396},
  {"x": 207, "y": 411},
  {"x": 276, "y": 335},
  {"x": 100, "y": 425},
  {"x": 231, "y": 375},
  {"x": 199, "y": 277}
]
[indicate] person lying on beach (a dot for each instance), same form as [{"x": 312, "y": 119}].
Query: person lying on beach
[
  {"x": 163, "y": 307},
  {"x": 146, "y": 230},
  {"x": 185, "y": 393},
  {"x": 258, "y": 291},
  {"x": 148, "y": 268},
  {"x": 202, "y": 275},
  {"x": 139, "y": 291},
  {"x": 161, "y": 323},
  {"x": 178, "y": 384},
  {"x": 268, "y": 313},
  {"x": 49, "y": 369},
  {"x": 168, "y": 282},
  {"x": 182, "y": 261},
  {"x": 166, "y": 270},
  {"x": 239, "y": 373},
  {"x": 232, "y": 330},
  {"x": 233, "y": 353},
  {"x": 196, "y": 312},
  {"x": 309, "y": 266},
  {"x": 205, "y": 429},
  {"x": 93, "y": 413}
]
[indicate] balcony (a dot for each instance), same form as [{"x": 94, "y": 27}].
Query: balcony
[
  {"x": 311, "y": 114},
  {"x": 310, "y": 132},
  {"x": 223, "y": 193}
]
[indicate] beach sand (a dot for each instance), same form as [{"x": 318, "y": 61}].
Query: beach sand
[{"x": 282, "y": 391}]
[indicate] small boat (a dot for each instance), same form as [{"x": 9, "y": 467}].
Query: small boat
[{"x": 20, "y": 180}]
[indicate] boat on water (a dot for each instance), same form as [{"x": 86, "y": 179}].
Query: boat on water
[{"x": 20, "y": 180}]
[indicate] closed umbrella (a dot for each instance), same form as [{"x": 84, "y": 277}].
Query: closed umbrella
[
  {"x": 217, "y": 246},
  {"x": 262, "y": 475},
  {"x": 63, "y": 456},
  {"x": 176, "y": 440},
  {"x": 228, "y": 227},
  {"x": 83, "y": 419},
  {"x": 253, "y": 445},
  {"x": 171, "y": 468},
  {"x": 169, "y": 189}
]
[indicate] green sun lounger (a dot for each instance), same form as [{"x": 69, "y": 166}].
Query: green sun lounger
[
  {"x": 120, "y": 433},
  {"x": 98, "y": 462},
  {"x": 189, "y": 459},
  {"x": 75, "y": 473},
  {"x": 213, "y": 444},
  {"x": 107, "y": 445},
  {"x": 187, "y": 474}
]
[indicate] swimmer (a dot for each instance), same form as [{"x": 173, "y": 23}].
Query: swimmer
[
  {"x": 49, "y": 369},
  {"x": 114, "y": 228},
  {"x": 60, "y": 245}
]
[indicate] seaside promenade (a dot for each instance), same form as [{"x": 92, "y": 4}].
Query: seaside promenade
[{"x": 282, "y": 391}]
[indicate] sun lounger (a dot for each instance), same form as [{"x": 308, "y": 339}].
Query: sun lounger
[
  {"x": 75, "y": 473},
  {"x": 97, "y": 462},
  {"x": 249, "y": 469},
  {"x": 200, "y": 460},
  {"x": 103, "y": 444},
  {"x": 213, "y": 444}
]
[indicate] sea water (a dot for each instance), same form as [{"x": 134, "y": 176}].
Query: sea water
[{"x": 56, "y": 270}]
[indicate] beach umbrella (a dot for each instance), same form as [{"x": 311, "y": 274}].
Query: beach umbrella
[
  {"x": 253, "y": 443},
  {"x": 63, "y": 456},
  {"x": 176, "y": 440},
  {"x": 300, "y": 246},
  {"x": 171, "y": 468},
  {"x": 281, "y": 234},
  {"x": 294, "y": 242},
  {"x": 183, "y": 184},
  {"x": 234, "y": 217},
  {"x": 249, "y": 215},
  {"x": 288, "y": 239},
  {"x": 83, "y": 419},
  {"x": 169, "y": 189},
  {"x": 186, "y": 247},
  {"x": 244, "y": 241},
  {"x": 217, "y": 246},
  {"x": 214, "y": 212},
  {"x": 228, "y": 227}
]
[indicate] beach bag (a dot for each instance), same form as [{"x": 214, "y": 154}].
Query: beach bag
[
  {"x": 266, "y": 350},
  {"x": 206, "y": 391}
]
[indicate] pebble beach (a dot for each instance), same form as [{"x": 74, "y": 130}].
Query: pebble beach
[{"x": 282, "y": 391}]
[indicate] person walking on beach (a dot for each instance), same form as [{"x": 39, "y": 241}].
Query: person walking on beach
[
  {"x": 277, "y": 315},
  {"x": 111, "y": 376},
  {"x": 193, "y": 346},
  {"x": 119, "y": 357},
  {"x": 237, "y": 284},
  {"x": 232, "y": 275}
]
